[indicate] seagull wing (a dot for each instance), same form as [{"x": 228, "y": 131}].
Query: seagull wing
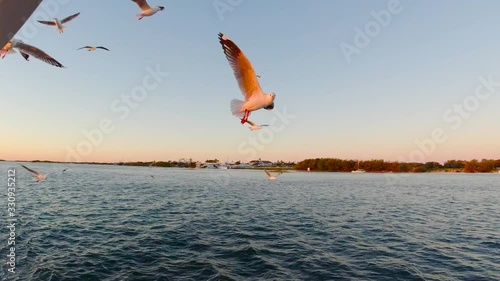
[
  {"x": 47, "y": 22},
  {"x": 25, "y": 56},
  {"x": 33, "y": 171},
  {"x": 101, "y": 47},
  {"x": 70, "y": 18},
  {"x": 142, "y": 4},
  {"x": 268, "y": 174},
  {"x": 242, "y": 68},
  {"x": 88, "y": 47},
  {"x": 37, "y": 53}
]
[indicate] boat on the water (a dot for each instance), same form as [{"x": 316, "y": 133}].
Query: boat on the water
[{"x": 358, "y": 170}]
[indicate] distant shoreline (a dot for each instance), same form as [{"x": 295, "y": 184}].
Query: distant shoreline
[{"x": 332, "y": 165}]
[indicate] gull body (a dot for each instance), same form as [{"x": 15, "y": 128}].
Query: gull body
[
  {"x": 39, "y": 176},
  {"x": 255, "y": 98},
  {"x": 146, "y": 10},
  {"x": 7, "y": 50},
  {"x": 59, "y": 23}
]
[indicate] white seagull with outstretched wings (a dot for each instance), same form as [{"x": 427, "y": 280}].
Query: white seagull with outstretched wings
[
  {"x": 90, "y": 48},
  {"x": 270, "y": 176},
  {"x": 27, "y": 50},
  {"x": 146, "y": 10},
  {"x": 39, "y": 176},
  {"x": 255, "y": 98},
  {"x": 59, "y": 23}
]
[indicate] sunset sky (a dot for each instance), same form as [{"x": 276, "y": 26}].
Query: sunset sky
[{"x": 401, "y": 86}]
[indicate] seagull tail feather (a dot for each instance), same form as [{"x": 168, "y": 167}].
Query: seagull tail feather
[{"x": 236, "y": 106}]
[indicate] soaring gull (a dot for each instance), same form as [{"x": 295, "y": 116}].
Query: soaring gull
[
  {"x": 90, "y": 48},
  {"x": 146, "y": 10},
  {"x": 59, "y": 23},
  {"x": 255, "y": 98},
  {"x": 271, "y": 177},
  {"x": 39, "y": 176},
  {"x": 27, "y": 50}
]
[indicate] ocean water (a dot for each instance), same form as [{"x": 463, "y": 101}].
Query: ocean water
[{"x": 97, "y": 222}]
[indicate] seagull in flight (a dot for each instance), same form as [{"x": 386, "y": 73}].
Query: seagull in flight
[
  {"x": 259, "y": 75},
  {"x": 271, "y": 177},
  {"x": 255, "y": 98},
  {"x": 146, "y": 10},
  {"x": 90, "y": 48},
  {"x": 28, "y": 50},
  {"x": 254, "y": 127},
  {"x": 65, "y": 170},
  {"x": 59, "y": 23},
  {"x": 39, "y": 176}
]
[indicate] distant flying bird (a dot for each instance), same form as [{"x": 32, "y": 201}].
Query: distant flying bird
[
  {"x": 254, "y": 127},
  {"x": 146, "y": 10},
  {"x": 28, "y": 50},
  {"x": 65, "y": 170},
  {"x": 271, "y": 177},
  {"x": 39, "y": 176},
  {"x": 59, "y": 24},
  {"x": 259, "y": 75},
  {"x": 255, "y": 98},
  {"x": 90, "y": 48}
]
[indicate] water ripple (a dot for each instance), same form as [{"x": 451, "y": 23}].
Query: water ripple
[{"x": 117, "y": 223}]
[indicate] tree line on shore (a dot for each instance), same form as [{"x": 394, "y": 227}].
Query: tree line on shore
[
  {"x": 343, "y": 165},
  {"x": 379, "y": 165}
]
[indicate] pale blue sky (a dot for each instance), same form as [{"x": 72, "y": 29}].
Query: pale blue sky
[{"x": 395, "y": 91}]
